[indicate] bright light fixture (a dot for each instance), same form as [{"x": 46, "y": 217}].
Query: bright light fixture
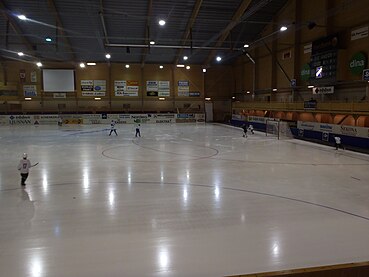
[
  {"x": 188, "y": 67},
  {"x": 127, "y": 65},
  {"x": 161, "y": 67},
  {"x": 161, "y": 98},
  {"x": 219, "y": 59},
  {"x": 207, "y": 98},
  {"x": 162, "y": 22},
  {"x": 275, "y": 89},
  {"x": 22, "y": 17},
  {"x": 91, "y": 63},
  {"x": 108, "y": 56},
  {"x": 28, "y": 98},
  {"x": 233, "y": 97},
  {"x": 20, "y": 54},
  {"x": 248, "y": 92},
  {"x": 152, "y": 42},
  {"x": 48, "y": 39},
  {"x": 246, "y": 46},
  {"x": 185, "y": 58},
  {"x": 82, "y": 65},
  {"x": 204, "y": 70},
  {"x": 97, "y": 98},
  {"x": 310, "y": 86},
  {"x": 39, "y": 64},
  {"x": 180, "y": 65},
  {"x": 283, "y": 28}
]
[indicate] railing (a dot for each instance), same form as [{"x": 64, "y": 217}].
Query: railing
[{"x": 324, "y": 107}]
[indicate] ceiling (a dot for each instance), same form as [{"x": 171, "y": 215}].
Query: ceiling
[{"x": 85, "y": 30}]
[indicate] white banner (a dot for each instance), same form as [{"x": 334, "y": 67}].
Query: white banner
[{"x": 333, "y": 128}]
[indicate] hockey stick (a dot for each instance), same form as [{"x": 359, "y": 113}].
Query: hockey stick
[{"x": 34, "y": 164}]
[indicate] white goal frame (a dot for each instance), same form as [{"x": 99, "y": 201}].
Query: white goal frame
[{"x": 279, "y": 129}]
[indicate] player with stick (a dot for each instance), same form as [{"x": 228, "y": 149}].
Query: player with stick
[
  {"x": 112, "y": 128},
  {"x": 24, "y": 166},
  {"x": 244, "y": 128}
]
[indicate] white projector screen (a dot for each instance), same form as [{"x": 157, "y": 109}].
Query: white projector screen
[{"x": 58, "y": 80}]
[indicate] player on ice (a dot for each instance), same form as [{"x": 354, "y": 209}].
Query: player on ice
[
  {"x": 112, "y": 128},
  {"x": 338, "y": 143},
  {"x": 24, "y": 166},
  {"x": 138, "y": 130},
  {"x": 251, "y": 129},
  {"x": 60, "y": 121},
  {"x": 244, "y": 128}
]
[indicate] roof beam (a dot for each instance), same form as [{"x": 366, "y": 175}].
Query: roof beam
[
  {"x": 6, "y": 13},
  {"x": 147, "y": 26},
  {"x": 190, "y": 23},
  {"x": 225, "y": 32},
  {"x": 60, "y": 27}
]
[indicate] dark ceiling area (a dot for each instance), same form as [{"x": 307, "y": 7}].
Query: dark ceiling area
[{"x": 85, "y": 31}]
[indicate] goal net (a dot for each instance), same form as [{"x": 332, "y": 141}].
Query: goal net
[{"x": 278, "y": 129}]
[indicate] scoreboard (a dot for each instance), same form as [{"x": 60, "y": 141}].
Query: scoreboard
[{"x": 323, "y": 62}]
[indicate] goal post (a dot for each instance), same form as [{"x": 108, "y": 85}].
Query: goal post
[{"x": 279, "y": 129}]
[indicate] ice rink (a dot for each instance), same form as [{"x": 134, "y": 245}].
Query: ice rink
[{"x": 182, "y": 200}]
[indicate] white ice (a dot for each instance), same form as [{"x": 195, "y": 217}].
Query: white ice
[{"x": 183, "y": 200}]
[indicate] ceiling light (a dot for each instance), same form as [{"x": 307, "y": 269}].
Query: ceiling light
[
  {"x": 82, "y": 65},
  {"x": 127, "y": 65},
  {"x": 161, "y": 67},
  {"x": 39, "y": 64},
  {"x": 97, "y": 98},
  {"x": 188, "y": 67},
  {"x": 310, "y": 86},
  {"x": 275, "y": 89},
  {"x": 219, "y": 59},
  {"x": 180, "y": 65},
  {"x": 28, "y": 98},
  {"x": 20, "y": 54},
  {"x": 283, "y": 28},
  {"x": 161, "y": 98},
  {"x": 204, "y": 70},
  {"x": 248, "y": 92},
  {"x": 22, "y": 17},
  {"x": 162, "y": 22},
  {"x": 207, "y": 98},
  {"x": 152, "y": 42},
  {"x": 233, "y": 97},
  {"x": 108, "y": 56},
  {"x": 185, "y": 58},
  {"x": 91, "y": 63},
  {"x": 246, "y": 46},
  {"x": 48, "y": 39}
]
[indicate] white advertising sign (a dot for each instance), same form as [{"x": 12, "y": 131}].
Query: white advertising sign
[
  {"x": 164, "y": 89},
  {"x": 353, "y": 131},
  {"x": 323, "y": 90},
  {"x": 120, "y": 87},
  {"x": 359, "y": 33},
  {"x": 152, "y": 86},
  {"x": 30, "y": 90}
]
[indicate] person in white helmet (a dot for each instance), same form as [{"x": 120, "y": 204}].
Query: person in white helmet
[
  {"x": 112, "y": 128},
  {"x": 23, "y": 167},
  {"x": 338, "y": 142},
  {"x": 251, "y": 128}
]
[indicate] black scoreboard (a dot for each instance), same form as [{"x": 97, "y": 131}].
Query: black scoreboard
[{"x": 323, "y": 62}]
